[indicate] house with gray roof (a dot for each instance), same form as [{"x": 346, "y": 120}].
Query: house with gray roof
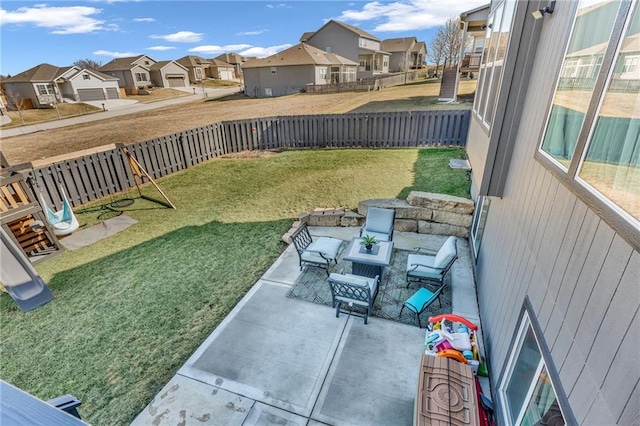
[
  {"x": 135, "y": 73},
  {"x": 405, "y": 53},
  {"x": 352, "y": 43},
  {"x": 169, "y": 74},
  {"x": 196, "y": 66},
  {"x": 45, "y": 85},
  {"x": 234, "y": 59},
  {"x": 220, "y": 70},
  {"x": 291, "y": 70}
]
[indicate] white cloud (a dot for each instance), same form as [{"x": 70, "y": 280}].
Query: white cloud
[
  {"x": 278, "y": 6},
  {"x": 213, "y": 49},
  {"x": 180, "y": 37},
  {"x": 250, "y": 33},
  {"x": 160, "y": 48},
  {"x": 144, "y": 20},
  {"x": 408, "y": 15},
  {"x": 262, "y": 52},
  {"x": 62, "y": 20},
  {"x": 114, "y": 54}
]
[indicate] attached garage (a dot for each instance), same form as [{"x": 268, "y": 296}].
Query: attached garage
[
  {"x": 113, "y": 93},
  {"x": 85, "y": 95},
  {"x": 176, "y": 81}
]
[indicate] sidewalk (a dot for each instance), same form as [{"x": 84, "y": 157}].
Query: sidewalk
[
  {"x": 126, "y": 110},
  {"x": 278, "y": 360}
]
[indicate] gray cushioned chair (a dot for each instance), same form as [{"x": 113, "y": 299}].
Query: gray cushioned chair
[
  {"x": 319, "y": 253},
  {"x": 432, "y": 268},
  {"x": 353, "y": 290},
  {"x": 379, "y": 223}
]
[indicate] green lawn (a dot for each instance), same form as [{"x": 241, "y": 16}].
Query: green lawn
[{"x": 131, "y": 309}]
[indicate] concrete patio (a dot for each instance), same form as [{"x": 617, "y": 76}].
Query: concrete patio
[{"x": 275, "y": 360}]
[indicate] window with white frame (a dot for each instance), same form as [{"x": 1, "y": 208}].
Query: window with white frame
[
  {"x": 274, "y": 70},
  {"x": 479, "y": 220},
  {"x": 141, "y": 76},
  {"x": 592, "y": 134},
  {"x": 323, "y": 73},
  {"x": 527, "y": 390},
  {"x": 45, "y": 89},
  {"x": 198, "y": 72},
  {"x": 495, "y": 50},
  {"x": 86, "y": 77}
]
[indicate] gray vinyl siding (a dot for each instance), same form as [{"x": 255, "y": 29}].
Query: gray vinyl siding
[
  {"x": 581, "y": 277},
  {"x": 287, "y": 80},
  {"x": 342, "y": 41}
]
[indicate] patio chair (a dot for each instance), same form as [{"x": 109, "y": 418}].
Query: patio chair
[
  {"x": 353, "y": 290},
  {"x": 421, "y": 300},
  {"x": 319, "y": 253},
  {"x": 432, "y": 269},
  {"x": 379, "y": 223}
]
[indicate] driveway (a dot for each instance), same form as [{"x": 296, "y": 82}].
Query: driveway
[{"x": 278, "y": 360}]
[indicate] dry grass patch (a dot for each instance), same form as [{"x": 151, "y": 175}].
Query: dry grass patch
[
  {"x": 39, "y": 115},
  {"x": 158, "y": 95},
  {"x": 168, "y": 120}
]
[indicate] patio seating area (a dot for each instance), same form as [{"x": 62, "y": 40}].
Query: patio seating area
[{"x": 281, "y": 360}]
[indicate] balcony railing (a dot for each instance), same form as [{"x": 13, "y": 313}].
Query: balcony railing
[{"x": 471, "y": 61}]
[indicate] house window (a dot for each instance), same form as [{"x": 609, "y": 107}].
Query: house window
[
  {"x": 385, "y": 62},
  {"x": 86, "y": 77},
  {"x": 527, "y": 390},
  {"x": 141, "y": 76},
  {"x": 274, "y": 70},
  {"x": 495, "y": 49},
  {"x": 630, "y": 65},
  {"x": 198, "y": 72},
  {"x": 327, "y": 49},
  {"x": 45, "y": 89},
  {"x": 363, "y": 43},
  {"x": 592, "y": 136},
  {"x": 479, "y": 220},
  {"x": 323, "y": 73}
]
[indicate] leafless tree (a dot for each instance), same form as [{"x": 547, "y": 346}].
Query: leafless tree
[
  {"x": 15, "y": 102},
  {"x": 447, "y": 42},
  {"x": 88, "y": 64},
  {"x": 436, "y": 51}
]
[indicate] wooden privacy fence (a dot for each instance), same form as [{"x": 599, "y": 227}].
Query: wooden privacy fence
[{"x": 100, "y": 174}]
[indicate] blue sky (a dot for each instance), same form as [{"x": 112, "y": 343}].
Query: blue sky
[{"x": 61, "y": 32}]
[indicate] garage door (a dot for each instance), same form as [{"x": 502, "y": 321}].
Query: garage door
[
  {"x": 176, "y": 81},
  {"x": 112, "y": 93},
  {"x": 91, "y": 95}
]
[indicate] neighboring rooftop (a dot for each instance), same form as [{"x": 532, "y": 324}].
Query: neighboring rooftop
[
  {"x": 401, "y": 44},
  {"x": 300, "y": 54},
  {"x": 43, "y": 72}
]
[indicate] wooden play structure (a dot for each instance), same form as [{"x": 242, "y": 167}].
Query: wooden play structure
[{"x": 23, "y": 219}]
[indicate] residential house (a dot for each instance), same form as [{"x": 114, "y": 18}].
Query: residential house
[
  {"x": 169, "y": 74},
  {"x": 135, "y": 73},
  {"x": 132, "y": 72},
  {"x": 234, "y": 59},
  {"x": 418, "y": 55},
  {"x": 352, "y": 43},
  {"x": 197, "y": 66},
  {"x": 475, "y": 30},
  {"x": 221, "y": 70},
  {"x": 291, "y": 70},
  {"x": 403, "y": 57},
  {"x": 45, "y": 85},
  {"x": 556, "y": 235}
]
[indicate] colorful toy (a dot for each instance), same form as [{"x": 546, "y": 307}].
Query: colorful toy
[{"x": 461, "y": 345}]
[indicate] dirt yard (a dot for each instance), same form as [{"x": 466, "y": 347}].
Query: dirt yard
[{"x": 163, "y": 121}]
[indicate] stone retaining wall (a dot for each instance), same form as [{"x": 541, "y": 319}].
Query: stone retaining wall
[{"x": 422, "y": 212}]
